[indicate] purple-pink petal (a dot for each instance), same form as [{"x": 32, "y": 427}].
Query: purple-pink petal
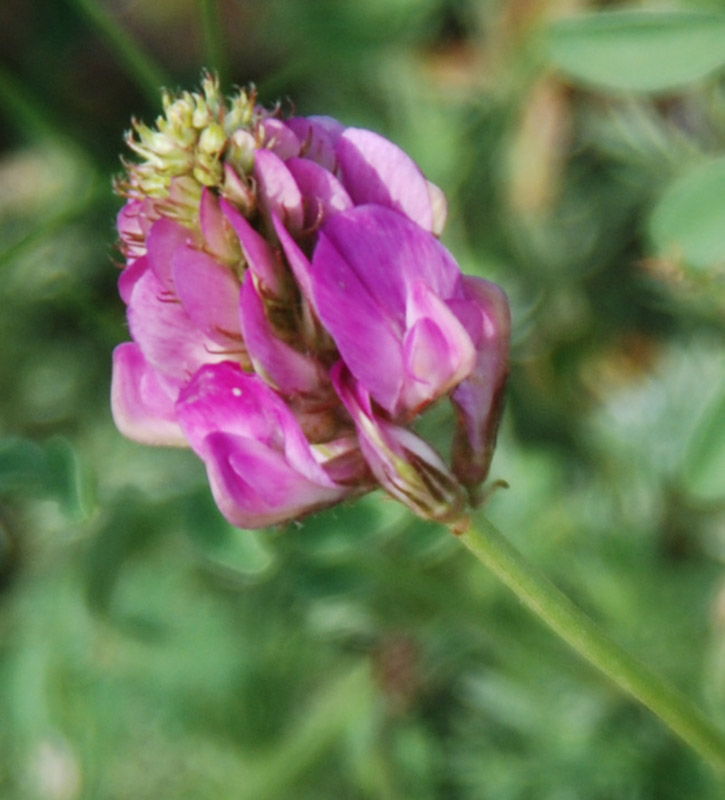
[
  {"x": 438, "y": 351},
  {"x": 318, "y": 136},
  {"x": 278, "y": 192},
  {"x": 297, "y": 260},
  {"x": 375, "y": 276},
  {"x": 256, "y": 487},
  {"x": 209, "y": 292},
  {"x": 142, "y": 400},
  {"x": 169, "y": 340},
  {"x": 134, "y": 222},
  {"x": 165, "y": 237},
  {"x": 374, "y": 170},
  {"x": 260, "y": 257},
  {"x": 405, "y": 466},
  {"x": 280, "y": 138},
  {"x": 479, "y": 398},
  {"x": 369, "y": 339},
  {"x": 260, "y": 465},
  {"x": 389, "y": 253},
  {"x": 130, "y": 275},
  {"x": 214, "y": 226},
  {"x": 323, "y": 195},
  {"x": 287, "y": 369}
]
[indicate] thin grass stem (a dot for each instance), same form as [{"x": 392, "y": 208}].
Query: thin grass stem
[
  {"x": 130, "y": 55},
  {"x": 215, "y": 50}
]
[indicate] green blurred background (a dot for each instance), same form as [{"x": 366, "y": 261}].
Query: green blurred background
[{"x": 148, "y": 650}]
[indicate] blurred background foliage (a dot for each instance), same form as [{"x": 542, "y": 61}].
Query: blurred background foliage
[{"x": 148, "y": 650}]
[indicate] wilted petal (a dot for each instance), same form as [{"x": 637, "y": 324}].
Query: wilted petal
[
  {"x": 374, "y": 170},
  {"x": 479, "y": 398},
  {"x": 278, "y": 192},
  {"x": 439, "y": 207},
  {"x": 142, "y": 400},
  {"x": 287, "y": 369},
  {"x": 404, "y": 465},
  {"x": 237, "y": 190},
  {"x": 261, "y": 468}
]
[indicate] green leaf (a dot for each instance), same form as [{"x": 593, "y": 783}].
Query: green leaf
[
  {"x": 688, "y": 222},
  {"x": 638, "y": 50}
]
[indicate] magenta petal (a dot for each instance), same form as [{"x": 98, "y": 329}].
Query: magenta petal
[
  {"x": 208, "y": 290},
  {"x": 142, "y": 400},
  {"x": 323, "y": 195},
  {"x": 369, "y": 341},
  {"x": 438, "y": 351},
  {"x": 374, "y": 170},
  {"x": 134, "y": 222},
  {"x": 165, "y": 237},
  {"x": 404, "y": 465},
  {"x": 479, "y": 398},
  {"x": 260, "y": 465},
  {"x": 128, "y": 222},
  {"x": 277, "y": 190},
  {"x": 130, "y": 275},
  {"x": 214, "y": 227},
  {"x": 389, "y": 254},
  {"x": 255, "y": 487},
  {"x": 318, "y": 136},
  {"x": 259, "y": 255},
  {"x": 297, "y": 260},
  {"x": 286, "y": 368},
  {"x": 169, "y": 340},
  {"x": 280, "y": 138},
  {"x": 375, "y": 274},
  {"x": 224, "y": 397}
]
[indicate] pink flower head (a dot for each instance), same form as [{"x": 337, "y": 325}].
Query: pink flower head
[{"x": 292, "y": 312}]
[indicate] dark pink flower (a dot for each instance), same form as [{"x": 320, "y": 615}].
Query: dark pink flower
[{"x": 292, "y": 312}]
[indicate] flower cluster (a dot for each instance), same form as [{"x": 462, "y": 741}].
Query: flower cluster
[{"x": 292, "y": 313}]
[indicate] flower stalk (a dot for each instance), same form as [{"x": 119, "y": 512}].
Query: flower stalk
[{"x": 581, "y": 633}]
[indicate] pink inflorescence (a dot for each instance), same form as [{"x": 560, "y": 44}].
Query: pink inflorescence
[{"x": 292, "y": 312}]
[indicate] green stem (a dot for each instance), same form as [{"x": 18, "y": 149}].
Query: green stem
[
  {"x": 214, "y": 47},
  {"x": 136, "y": 62},
  {"x": 581, "y": 633}
]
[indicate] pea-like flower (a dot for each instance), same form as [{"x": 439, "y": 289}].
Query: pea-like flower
[{"x": 292, "y": 313}]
